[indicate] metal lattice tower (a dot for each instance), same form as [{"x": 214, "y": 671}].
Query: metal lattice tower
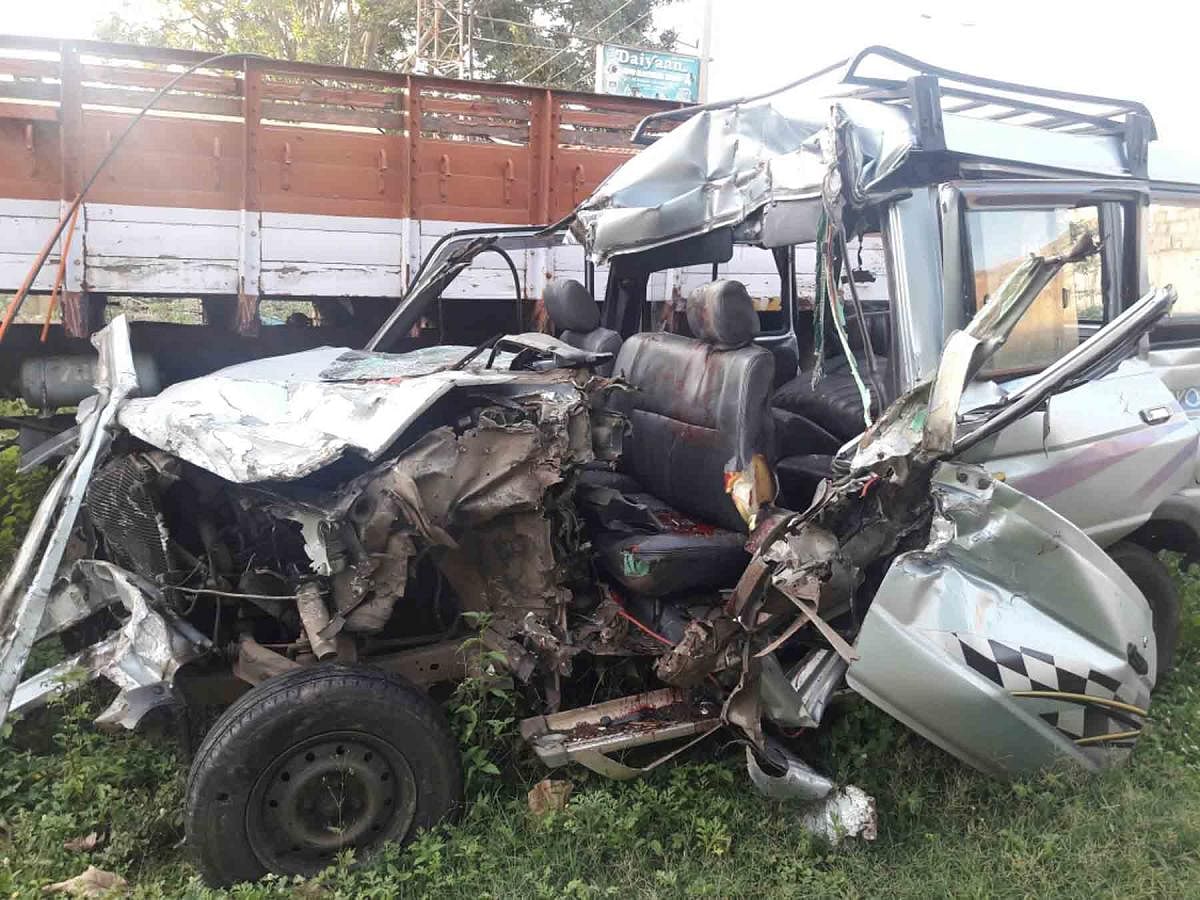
[{"x": 444, "y": 43}]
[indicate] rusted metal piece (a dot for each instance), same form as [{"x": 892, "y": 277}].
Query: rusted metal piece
[
  {"x": 255, "y": 663},
  {"x": 431, "y": 664},
  {"x": 285, "y": 174},
  {"x": 699, "y": 653},
  {"x": 588, "y": 734},
  {"x": 510, "y": 177},
  {"x": 316, "y": 619}
]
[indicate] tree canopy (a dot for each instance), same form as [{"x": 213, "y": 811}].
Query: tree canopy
[{"x": 539, "y": 41}]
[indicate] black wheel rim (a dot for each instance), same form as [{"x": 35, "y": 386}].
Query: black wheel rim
[{"x": 334, "y": 791}]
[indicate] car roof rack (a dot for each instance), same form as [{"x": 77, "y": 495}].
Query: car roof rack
[
  {"x": 992, "y": 99},
  {"x": 930, "y": 91}
]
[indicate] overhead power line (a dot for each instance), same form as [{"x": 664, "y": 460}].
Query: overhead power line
[
  {"x": 488, "y": 40},
  {"x": 555, "y": 31},
  {"x": 561, "y": 72},
  {"x": 551, "y": 59}
]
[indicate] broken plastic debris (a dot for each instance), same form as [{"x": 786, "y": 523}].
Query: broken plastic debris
[{"x": 849, "y": 812}]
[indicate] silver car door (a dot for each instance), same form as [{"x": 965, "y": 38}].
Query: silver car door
[{"x": 1108, "y": 453}]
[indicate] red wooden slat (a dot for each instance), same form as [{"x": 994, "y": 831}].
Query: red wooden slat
[{"x": 130, "y": 76}]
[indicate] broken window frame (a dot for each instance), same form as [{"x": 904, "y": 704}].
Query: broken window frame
[
  {"x": 1183, "y": 328},
  {"x": 1119, "y": 256}
]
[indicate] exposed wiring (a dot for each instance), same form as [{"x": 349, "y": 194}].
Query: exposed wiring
[
  {"x": 60, "y": 276},
  {"x": 646, "y": 628},
  {"x": 868, "y": 484},
  {"x": 216, "y": 623},
  {"x": 1102, "y": 738},
  {"x": 553, "y": 79},
  {"x": 488, "y": 40},
  {"x": 234, "y": 594},
  {"x": 837, "y": 313},
  {"x": 553, "y": 31},
  {"x": 15, "y": 306},
  {"x": 551, "y": 59},
  {"x": 1084, "y": 698}
]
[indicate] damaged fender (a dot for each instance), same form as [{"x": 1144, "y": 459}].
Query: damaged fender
[
  {"x": 26, "y": 589},
  {"x": 1011, "y": 640},
  {"x": 141, "y": 658}
]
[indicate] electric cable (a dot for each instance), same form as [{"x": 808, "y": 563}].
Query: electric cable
[{"x": 15, "y": 306}]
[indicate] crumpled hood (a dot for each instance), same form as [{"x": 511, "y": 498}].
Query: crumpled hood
[{"x": 282, "y": 418}]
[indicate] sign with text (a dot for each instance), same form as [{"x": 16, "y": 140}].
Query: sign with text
[{"x": 636, "y": 72}]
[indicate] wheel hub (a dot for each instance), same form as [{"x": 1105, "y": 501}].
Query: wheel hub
[{"x": 328, "y": 793}]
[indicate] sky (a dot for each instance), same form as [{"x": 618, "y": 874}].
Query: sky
[{"x": 1149, "y": 50}]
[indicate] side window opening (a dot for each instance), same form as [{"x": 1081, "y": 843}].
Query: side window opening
[
  {"x": 755, "y": 267},
  {"x": 1173, "y": 252},
  {"x": 999, "y": 240},
  {"x": 667, "y": 290},
  {"x": 868, "y": 268}
]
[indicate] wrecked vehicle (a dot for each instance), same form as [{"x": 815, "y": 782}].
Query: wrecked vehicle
[{"x": 611, "y": 511}]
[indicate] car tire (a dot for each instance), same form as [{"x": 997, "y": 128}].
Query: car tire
[
  {"x": 1152, "y": 578},
  {"x": 314, "y": 761}
]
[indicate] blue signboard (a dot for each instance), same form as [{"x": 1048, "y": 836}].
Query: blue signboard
[{"x": 636, "y": 72}]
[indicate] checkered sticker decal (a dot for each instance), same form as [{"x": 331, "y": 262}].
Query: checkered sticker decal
[{"x": 1019, "y": 669}]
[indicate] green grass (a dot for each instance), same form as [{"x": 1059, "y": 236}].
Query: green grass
[{"x": 693, "y": 829}]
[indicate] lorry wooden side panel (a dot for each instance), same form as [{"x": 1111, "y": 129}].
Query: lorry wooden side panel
[{"x": 197, "y": 200}]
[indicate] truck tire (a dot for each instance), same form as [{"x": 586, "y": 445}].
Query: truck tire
[
  {"x": 315, "y": 761},
  {"x": 1152, "y": 578}
]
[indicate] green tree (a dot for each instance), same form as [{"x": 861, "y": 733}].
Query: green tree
[{"x": 539, "y": 41}]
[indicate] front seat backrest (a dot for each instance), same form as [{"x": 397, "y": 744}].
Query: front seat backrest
[
  {"x": 572, "y": 309},
  {"x": 700, "y": 406}
]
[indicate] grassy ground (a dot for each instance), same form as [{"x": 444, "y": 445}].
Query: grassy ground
[{"x": 696, "y": 829}]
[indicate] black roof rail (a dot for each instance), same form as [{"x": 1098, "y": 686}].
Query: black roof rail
[
  {"x": 1006, "y": 99},
  {"x": 959, "y": 93}
]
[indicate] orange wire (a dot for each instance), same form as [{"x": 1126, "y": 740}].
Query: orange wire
[
  {"x": 646, "y": 628},
  {"x": 61, "y": 274}
]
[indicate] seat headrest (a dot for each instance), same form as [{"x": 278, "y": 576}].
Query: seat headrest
[
  {"x": 721, "y": 313},
  {"x": 570, "y": 306}
]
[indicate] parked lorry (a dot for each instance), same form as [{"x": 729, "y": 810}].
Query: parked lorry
[
  {"x": 728, "y": 511},
  {"x": 265, "y": 207}
]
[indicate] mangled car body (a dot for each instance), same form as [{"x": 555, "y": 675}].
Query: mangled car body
[{"x": 604, "y": 510}]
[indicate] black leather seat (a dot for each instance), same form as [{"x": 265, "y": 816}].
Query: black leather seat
[
  {"x": 699, "y": 408},
  {"x": 572, "y": 309},
  {"x": 835, "y": 406},
  {"x": 813, "y": 425}
]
